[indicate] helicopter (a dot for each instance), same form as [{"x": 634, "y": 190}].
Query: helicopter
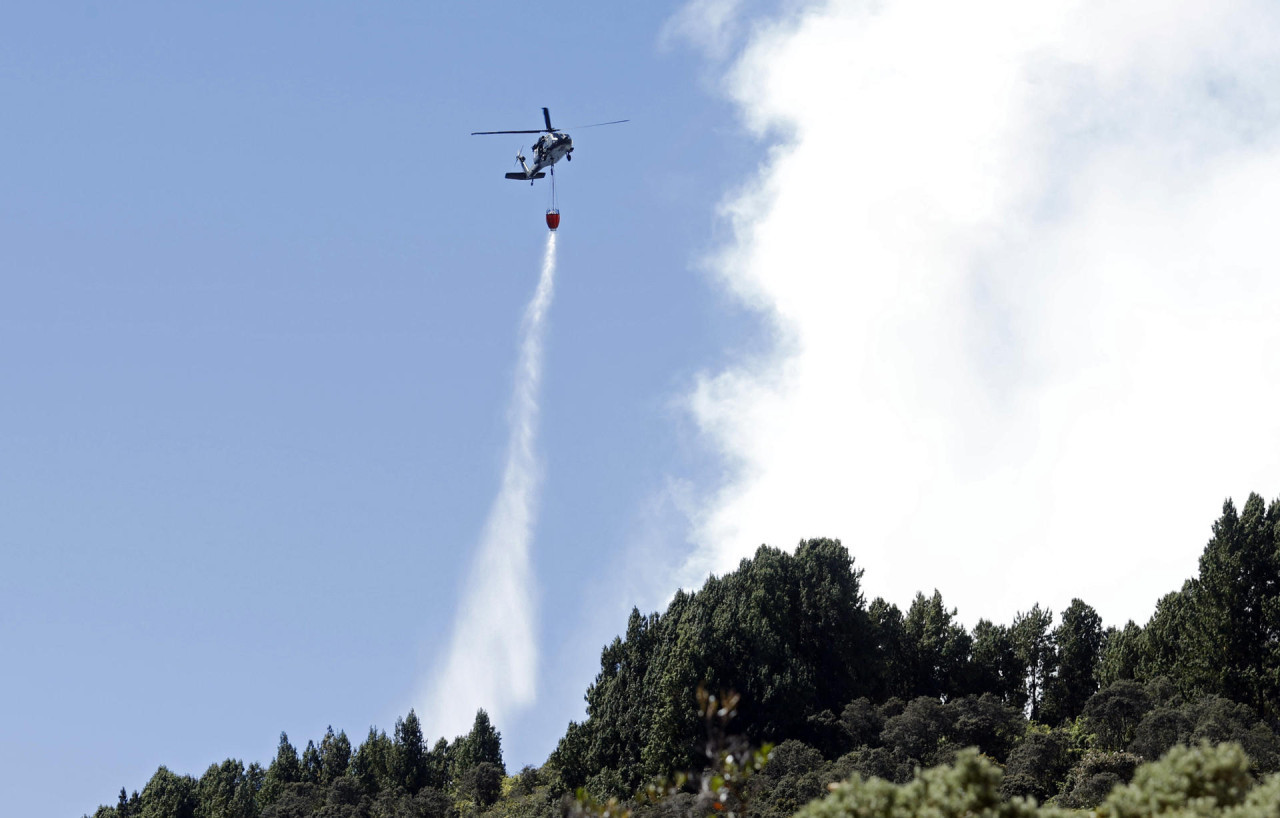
[{"x": 552, "y": 146}]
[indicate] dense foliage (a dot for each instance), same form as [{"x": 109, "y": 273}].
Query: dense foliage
[
  {"x": 385, "y": 776},
  {"x": 846, "y": 690},
  {"x": 843, "y": 686},
  {"x": 1204, "y": 782}
]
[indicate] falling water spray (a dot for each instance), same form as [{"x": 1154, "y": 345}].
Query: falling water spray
[{"x": 492, "y": 659}]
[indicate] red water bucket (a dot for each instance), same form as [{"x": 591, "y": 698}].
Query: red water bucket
[{"x": 553, "y": 219}]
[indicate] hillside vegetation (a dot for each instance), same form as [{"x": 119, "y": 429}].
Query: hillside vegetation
[{"x": 1057, "y": 708}]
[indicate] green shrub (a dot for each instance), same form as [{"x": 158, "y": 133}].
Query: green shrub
[
  {"x": 970, "y": 788},
  {"x": 1192, "y": 781},
  {"x": 1200, "y": 782}
]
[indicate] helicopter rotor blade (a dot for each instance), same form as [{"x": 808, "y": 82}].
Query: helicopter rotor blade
[
  {"x": 484, "y": 133},
  {"x": 546, "y": 117},
  {"x": 598, "y": 124}
]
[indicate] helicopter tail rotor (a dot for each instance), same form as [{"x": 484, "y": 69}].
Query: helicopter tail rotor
[{"x": 520, "y": 161}]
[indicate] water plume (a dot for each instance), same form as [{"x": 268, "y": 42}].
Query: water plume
[{"x": 492, "y": 658}]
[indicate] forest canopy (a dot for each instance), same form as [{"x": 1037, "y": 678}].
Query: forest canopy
[{"x": 1061, "y": 708}]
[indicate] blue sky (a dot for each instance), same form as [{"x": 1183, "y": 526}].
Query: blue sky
[
  {"x": 957, "y": 285},
  {"x": 258, "y": 308}
]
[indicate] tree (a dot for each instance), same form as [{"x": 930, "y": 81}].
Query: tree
[
  {"x": 862, "y": 723},
  {"x": 410, "y": 762},
  {"x": 1165, "y": 638},
  {"x": 1038, "y": 766},
  {"x": 1035, "y": 650},
  {"x": 789, "y": 633},
  {"x": 432, "y": 803},
  {"x": 917, "y": 732},
  {"x": 622, "y": 707},
  {"x": 311, "y": 763},
  {"x": 834, "y": 631},
  {"x": 127, "y": 806},
  {"x": 1113, "y": 714},
  {"x": 344, "y": 794},
  {"x": 226, "y": 791},
  {"x": 987, "y": 723},
  {"x": 1160, "y": 729},
  {"x": 1095, "y": 775},
  {"x": 249, "y": 793},
  {"x": 482, "y": 783},
  {"x": 938, "y": 647},
  {"x": 527, "y": 781},
  {"x": 373, "y": 763},
  {"x": 168, "y": 796},
  {"x": 1078, "y": 646},
  {"x": 569, "y": 762},
  {"x": 892, "y": 651},
  {"x": 795, "y": 775},
  {"x": 335, "y": 756},
  {"x": 1121, "y": 654},
  {"x": 1218, "y": 720},
  {"x": 1235, "y": 607},
  {"x": 827, "y": 733},
  {"x": 439, "y": 763},
  {"x": 994, "y": 665},
  {"x": 298, "y": 800},
  {"x": 284, "y": 769},
  {"x": 483, "y": 745}
]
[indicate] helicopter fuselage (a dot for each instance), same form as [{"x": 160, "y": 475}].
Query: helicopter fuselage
[{"x": 549, "y": 149}]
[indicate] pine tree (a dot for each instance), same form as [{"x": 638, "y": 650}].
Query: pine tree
[
  {"x": 410, "y": 753},
  {"x": 484, "y": 743},
  {"x": 1235, "y": 616},
  {"x": 335, "y": 756},
  {"x": 1035, "y": 650},
  {"x": 1077, "y": 648},
  {"x": 891, "y": 651},
  {"x": 1121, "y": 654},
  {"x": 311, "y": 764},
  {"x": 373, "y": 763},
  {"x": 218, "y": 789},
  {"x": 939, "y": 648},
  {"x": 286, "y": 768},
  {"x": 994, "y": 666},
  {"x": 168, "y": 796}
]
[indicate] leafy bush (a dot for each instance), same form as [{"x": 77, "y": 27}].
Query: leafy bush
[
  {"x": 1194, "y": 781},
  {"x": 968, "y": 789},
  {"x": 1095, "y": 775},
  {"x": 1200, "y": 782},
  {"x": 1038, "y": 766}
]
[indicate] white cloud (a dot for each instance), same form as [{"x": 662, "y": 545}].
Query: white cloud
[
  {"x": 707, "y": 23},
  {"x": 1019, "y": 262}
]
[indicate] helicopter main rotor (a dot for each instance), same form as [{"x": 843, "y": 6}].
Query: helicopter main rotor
[{"x": 546, "y": 117}]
